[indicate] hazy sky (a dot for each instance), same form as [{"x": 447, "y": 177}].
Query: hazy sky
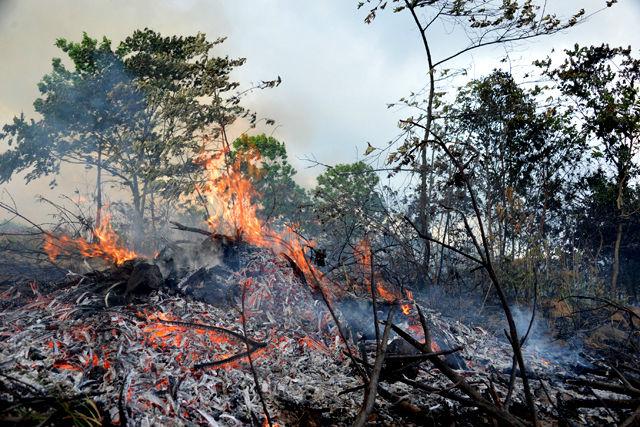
[{"x": 338, "y": 73}]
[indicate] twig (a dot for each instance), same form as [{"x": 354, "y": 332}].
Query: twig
[
  {"x": 370, "y": 394},
  {"x": 234, "y": 334},
  {"x": 374, "y": 301},
  {"x": 256, "y": 380},
  {"x": 207, "y": 233}
]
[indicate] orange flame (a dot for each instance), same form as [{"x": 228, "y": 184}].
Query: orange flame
[
  {"x": 406, "y": 309},
  {"x": 230, "y": 194},
  {"x": 106, "y": 245},
  {"x": 362, "y": 253},
  {"x": 233, "y": 212}
]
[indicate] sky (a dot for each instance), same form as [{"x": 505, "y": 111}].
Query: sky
[{"x": 338, "y": 73}]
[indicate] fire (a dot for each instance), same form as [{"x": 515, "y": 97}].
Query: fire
[
  {"x": 362, "y": 253},
  {"x": 106, "y": 245},
  {"x": 406, "y": 309},
  {"x": 229, "y": 194},
  {"x": 232, "y": 211}
]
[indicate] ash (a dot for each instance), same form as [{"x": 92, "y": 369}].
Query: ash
[{"x": 167, "y": 358}]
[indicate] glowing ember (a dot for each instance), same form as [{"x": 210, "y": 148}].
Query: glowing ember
[
  {"x": 106, "y": 245},
  {"x": 406, "y": 309},
  {"x": 192, "y": 339},
  {"x": 66, "y": 366},
  {"x": 310, "y": 343}
]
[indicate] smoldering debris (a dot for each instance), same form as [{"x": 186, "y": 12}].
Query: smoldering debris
[{"x": 168, "y": 358}]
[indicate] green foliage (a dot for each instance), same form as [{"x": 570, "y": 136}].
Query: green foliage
[
  {"x": 603, "y": 81},
  {"x": 520, "y": 156},
  {"x": 280, "y": 197},
  {"x": 137, "y": 112},
  {"x": 604, "y": 85},
  {"x": 480, "y": 23},
  {"x": 346, "y": 202}
]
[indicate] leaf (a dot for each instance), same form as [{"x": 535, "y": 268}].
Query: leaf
[{"x": 370, "y": 149}]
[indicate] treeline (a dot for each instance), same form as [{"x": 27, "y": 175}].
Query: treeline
[{"x": 541, "y": 179}]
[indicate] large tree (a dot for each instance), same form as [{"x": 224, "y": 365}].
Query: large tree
[
  {"x": 603, "y": 85},
  {"x": 135, "y": 112}
]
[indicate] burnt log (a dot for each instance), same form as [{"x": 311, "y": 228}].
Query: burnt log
[
  {"x": 210, "y": 285},
  {"x": 396, "y": 367},
  {"x": 139, "y": 278},
  {"x": 144, "y": 278}
]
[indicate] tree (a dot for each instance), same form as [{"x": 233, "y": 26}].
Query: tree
[
  {"x": 280, "y": 197},
  {"x": 481, "y": 23},
  {"x": 517, "y": 152},
  {"x": 597, "y": 221},
  {"x": 603, "y": 85},
  {"x": 135, "y": 112},
  {"x": 346, "y": 203}
]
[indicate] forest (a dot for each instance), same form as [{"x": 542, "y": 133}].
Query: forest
[{"x": 479, "y": 268}]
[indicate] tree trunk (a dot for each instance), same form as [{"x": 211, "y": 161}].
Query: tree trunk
[
  {"x": 423, "y": 208},
  {"x": 138, "y": 207},
  {"x": 99, "y": 187},
  {"x": 615, "y": 270},
  {"x": 424, "y": 220}
]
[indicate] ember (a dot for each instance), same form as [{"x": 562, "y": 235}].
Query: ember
[{"x": 406, "y": 309}]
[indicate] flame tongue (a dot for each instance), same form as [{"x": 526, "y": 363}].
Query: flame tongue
[
  {"x": 230, "y": 196},
  {"x": 106, "y": 245},
  {"x": 385, "y": 291}
]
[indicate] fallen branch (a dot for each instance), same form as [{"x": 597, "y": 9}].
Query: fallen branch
[
  {"x": 615, "y": 388},
  {"x": 370, "y": 394},
  {"x": 455, "y": 378},
  {"x": 602, "y": 403},
  {"x": 207, "y": 233},
  {"x": 214, "y": 363},
  {"x": 256, "y": 380}
]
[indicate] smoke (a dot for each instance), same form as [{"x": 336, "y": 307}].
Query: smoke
[
  {"x": 540, "y": 340},
  {"x": 187, "y": 257},
  {"x": 477, "y": 308}
]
